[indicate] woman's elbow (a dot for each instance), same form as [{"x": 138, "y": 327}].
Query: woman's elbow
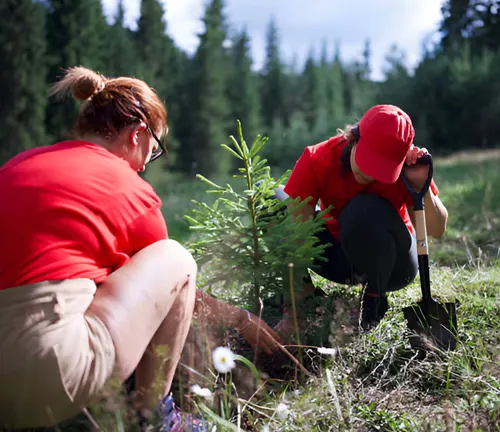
[
  {"x": 439, "y": 228},
  {"x": 438, "y": 232}
]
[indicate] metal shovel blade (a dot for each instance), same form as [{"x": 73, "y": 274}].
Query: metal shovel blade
[{"x": 432, "y": 324}]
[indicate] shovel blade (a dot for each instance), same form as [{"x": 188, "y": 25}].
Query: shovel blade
[{"x": 432, "y": 324}]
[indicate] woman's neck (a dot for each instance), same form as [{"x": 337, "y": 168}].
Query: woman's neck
[{"x": 112, "y": 146}]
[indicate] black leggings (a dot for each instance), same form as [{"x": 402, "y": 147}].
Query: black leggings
[{"x": 374, "y": 247}]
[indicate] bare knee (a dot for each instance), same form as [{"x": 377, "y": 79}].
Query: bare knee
[
  {"x": 171, "y": 247},
  {"x": 177, "y": 267},
  {"x": 178, "y": 253},
  {"x": 170, "y": 252}
]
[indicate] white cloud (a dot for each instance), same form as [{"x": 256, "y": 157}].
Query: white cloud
[
  {"x": 131, "y": 10},
  {"x": 305, "y": 24},
  {"x": 183, "y": 18},
  {"x": 184, "y": 22}
]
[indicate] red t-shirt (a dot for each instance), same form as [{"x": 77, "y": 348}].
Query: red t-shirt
[
  {"x": 318, "y": 174},
  {"x": 72, "y": 210}
]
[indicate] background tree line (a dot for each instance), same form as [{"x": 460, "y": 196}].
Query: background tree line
[{"x": 453, "y": 95}]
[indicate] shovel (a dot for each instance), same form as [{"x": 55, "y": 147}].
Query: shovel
[{"x": 432, "y": 323}]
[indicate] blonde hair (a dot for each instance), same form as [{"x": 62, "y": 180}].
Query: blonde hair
[
  {"x": 350, "y": 133},
  {"x": 110, "y": 104}
]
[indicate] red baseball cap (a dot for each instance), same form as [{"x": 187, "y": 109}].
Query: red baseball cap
[{"x": 385, "y": 136}]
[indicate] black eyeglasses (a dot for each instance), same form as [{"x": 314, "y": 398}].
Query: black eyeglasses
[
  {"x": 162, "y": 145},
  {"x": 162, "y": 148}
]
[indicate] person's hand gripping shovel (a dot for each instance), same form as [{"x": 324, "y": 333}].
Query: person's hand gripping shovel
[{"x": 432, "y": 323}]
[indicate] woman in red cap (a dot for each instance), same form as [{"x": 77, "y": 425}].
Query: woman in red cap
[
  {"x": 371, "y": 230},
  {"x": 90, "y": 284}
]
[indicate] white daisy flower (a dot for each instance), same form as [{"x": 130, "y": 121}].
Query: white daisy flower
[
  {"x": 223, "y": 359},
  {"x": 282, "y": 410},
  {"x": 203, "y": 392},
  {"x": 327, "y": 351}
]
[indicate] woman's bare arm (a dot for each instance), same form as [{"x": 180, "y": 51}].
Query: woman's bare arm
[{"x": 436, "y": 215}]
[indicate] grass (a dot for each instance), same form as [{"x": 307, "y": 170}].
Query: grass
[
  {"x": 470, "y": 190},
  {"x": 375, "y": 381},
  {"x": 383, "y": 385}
]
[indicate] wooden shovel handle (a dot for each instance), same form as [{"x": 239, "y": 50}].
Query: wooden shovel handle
[
  {"x": 418, "y": 204},
  {"x": 421, "y": 229}
]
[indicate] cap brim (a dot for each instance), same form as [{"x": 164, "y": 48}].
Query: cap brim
[{"x": 380, "y": 169}]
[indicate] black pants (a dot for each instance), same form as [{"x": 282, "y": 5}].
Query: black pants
[{"x": 374, "y": 247}]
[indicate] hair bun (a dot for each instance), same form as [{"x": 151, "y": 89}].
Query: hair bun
[
  {"x": 87, "y": 85},
  {"x": 81, "y": 82}
]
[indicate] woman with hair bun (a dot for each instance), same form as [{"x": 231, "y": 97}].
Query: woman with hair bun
[
  {"x": 89, "y": 281},
  {"x": 90, "y": 284}
]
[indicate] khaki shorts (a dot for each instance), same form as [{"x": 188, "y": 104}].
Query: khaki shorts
[{"x": 53, "y": 357}]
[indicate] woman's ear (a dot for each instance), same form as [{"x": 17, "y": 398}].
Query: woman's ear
[{"x": 134, "y": 133}]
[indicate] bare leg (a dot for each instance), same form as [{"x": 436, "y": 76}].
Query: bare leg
[
  {"x": 146, "y": 303},
  {"x": 172, "y": 335}
]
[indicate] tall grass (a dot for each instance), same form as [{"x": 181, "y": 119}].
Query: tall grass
[{"x": 470, "y": 190}]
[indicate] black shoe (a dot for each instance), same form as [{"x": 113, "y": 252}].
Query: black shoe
[{"x": 373, "y": 309}]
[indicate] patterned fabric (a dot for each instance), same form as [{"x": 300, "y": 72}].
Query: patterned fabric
[{"x": 176, "y": 421}]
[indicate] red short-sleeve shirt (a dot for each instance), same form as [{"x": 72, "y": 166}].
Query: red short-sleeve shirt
[
  {"x": 318, "y": 174},
  {"x": 72, "y": 210}
]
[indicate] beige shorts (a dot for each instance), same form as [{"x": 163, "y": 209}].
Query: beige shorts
[{"x": 53, "y": 357}]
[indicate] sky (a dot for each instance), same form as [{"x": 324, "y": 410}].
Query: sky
[{"x": 306, "y": 24}]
